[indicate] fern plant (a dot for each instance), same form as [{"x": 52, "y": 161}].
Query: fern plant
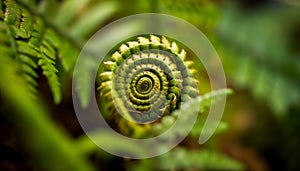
[
  {"x": 32, "y": 41},
  {"x": 38, "y": 41},
  {"x": 261, "y": 59},
  {"x": 34, "y": 38}
]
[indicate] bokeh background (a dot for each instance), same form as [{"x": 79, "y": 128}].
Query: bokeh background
[{"x": 257, "y": 41}]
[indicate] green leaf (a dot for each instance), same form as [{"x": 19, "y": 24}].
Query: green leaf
[
  {"x": 30, "y": 80},
  {"x": 28, "y": 61},
  {"x": 38, "y": 33},
  {"x": 48, "y": 50},
  {"x": 49, "y": 70},
  {"x": 29, "y": 70},
  {"x": 25, "y": 48},
  {"x": 27, "y": 24},
  {"x": 66, "y": 51}
]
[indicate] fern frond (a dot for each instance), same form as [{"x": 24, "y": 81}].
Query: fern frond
[
  {"x": 35, "y": 51},
  {"x": 278, "y": 91},
  {"x": 50, "y": 71},
  {"x": 37, "y": 40},
  {"x": 65, "y": 51},
  {"x": 184, "y": 159},
  {"x": 47, "y": 57},
  {"x": 259, "y": 61},
  {"x": 27, "y": 58}
]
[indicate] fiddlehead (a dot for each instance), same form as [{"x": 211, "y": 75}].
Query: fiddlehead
[{"x": 145, "y": 80}]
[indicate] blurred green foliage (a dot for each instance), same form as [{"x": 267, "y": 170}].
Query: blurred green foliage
[{"x": 259, "y": 46}]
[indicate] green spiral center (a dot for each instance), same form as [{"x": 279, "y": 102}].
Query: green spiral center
[{"x": 144, "y": 85}]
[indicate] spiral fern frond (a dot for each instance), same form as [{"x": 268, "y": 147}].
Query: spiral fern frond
[{"x": 146, "y": 79}]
